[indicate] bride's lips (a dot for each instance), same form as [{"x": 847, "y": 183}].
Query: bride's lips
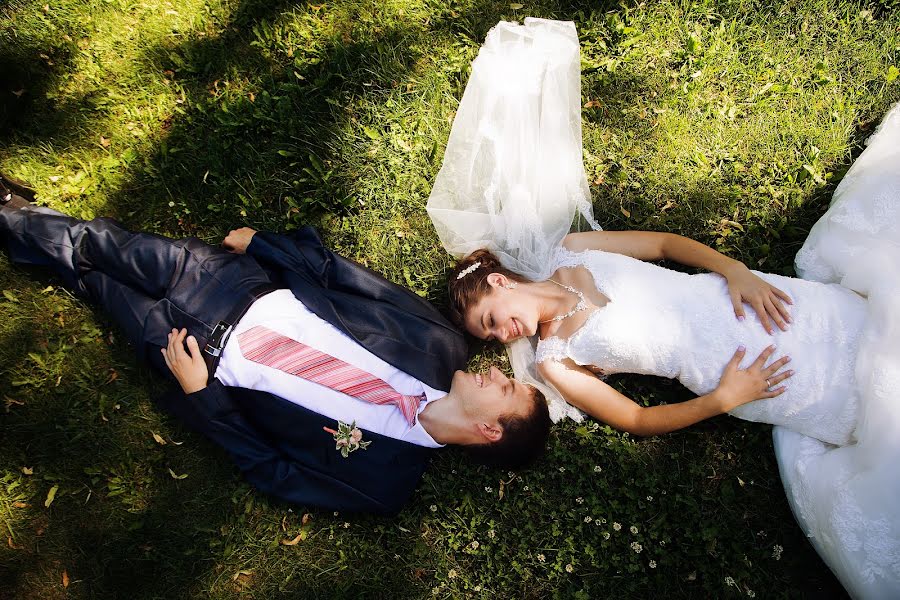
[{"x": 516, "y": 330}]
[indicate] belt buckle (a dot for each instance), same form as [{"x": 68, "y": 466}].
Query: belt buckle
[{"x": 214, "y": 343}]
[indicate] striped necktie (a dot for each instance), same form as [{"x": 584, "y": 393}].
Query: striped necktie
[{"x": 266, "y": 347}]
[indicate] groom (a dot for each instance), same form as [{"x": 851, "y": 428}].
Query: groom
[{"x": 328, "y": 385}]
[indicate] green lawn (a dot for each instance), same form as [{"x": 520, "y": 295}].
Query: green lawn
[{"x": 727, "y": 121}]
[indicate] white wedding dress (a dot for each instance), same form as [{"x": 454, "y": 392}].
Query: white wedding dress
[{"x": 512, "y": 181}]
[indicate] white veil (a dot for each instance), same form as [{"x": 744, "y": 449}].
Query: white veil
[{"x": 513, "y": 177}]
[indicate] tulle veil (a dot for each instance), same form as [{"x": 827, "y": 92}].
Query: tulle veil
[{"x": 513, "y": 178}]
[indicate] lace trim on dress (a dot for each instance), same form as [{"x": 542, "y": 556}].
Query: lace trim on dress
[{"x": 552, "y": 348}]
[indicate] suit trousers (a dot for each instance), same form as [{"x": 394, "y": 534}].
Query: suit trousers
[{"x": 147, "y": 283}]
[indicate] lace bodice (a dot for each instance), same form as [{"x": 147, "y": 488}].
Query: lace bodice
[{"x": 672, "y": 324}]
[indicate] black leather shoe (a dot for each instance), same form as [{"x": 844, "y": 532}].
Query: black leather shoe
[{"x": 14, "y": 194}]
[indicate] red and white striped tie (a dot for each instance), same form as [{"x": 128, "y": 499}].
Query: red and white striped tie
[{"x": 266, "y": 347}]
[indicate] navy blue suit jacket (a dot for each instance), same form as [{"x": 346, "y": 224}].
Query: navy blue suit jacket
[{"x": 280, "y": 447}]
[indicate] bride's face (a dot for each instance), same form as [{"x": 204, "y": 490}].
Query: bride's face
[{"x": 503, "y": 315}]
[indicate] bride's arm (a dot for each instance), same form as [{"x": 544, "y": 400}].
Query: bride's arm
[
  {"x": 738, "y": 386},
  {"x": 743, "y": 286}
]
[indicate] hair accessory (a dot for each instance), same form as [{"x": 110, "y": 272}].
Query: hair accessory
[{"x": 470, "y": 269}]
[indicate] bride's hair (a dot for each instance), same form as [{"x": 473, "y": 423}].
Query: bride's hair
[{"x": 466, "y": 290}]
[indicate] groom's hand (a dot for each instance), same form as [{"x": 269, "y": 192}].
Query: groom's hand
[
  {"x": 187, "y": 366},
  {"x": 237, "y": 240}
]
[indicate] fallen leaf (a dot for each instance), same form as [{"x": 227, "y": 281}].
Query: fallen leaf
[
  {"x": 55, "y": 178},
  {"x": 158, "y": 439},
  {"x": 294, "y": 541},
  {"x": 305, "y": 519},
  {"x": 516, "y": 6},
  {"x": 104, "y": 142},
  {"x": 592, "y": 104},
  {"x": 625, "y": 212},
  {"x": 174, "y": 476},
  {"x": 239, "y": 573},
  {"x": 51, "y": 495},
  {"x": 19, "y": 93},
  {"x": 65, "y": 579},
  {"x": 20, "y": 504},
  {"x": 10, "y": 401},
  {"x": 284, "y": 523},
  {"x": 28, "y": 470},
  {"x": 12, "y": 544},
  {"x": 46, "y": 8},
  {"x": 10, "y": 296},
  {"x": 176, "y": 443}
]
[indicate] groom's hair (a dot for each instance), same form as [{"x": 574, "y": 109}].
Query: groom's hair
[
  {"x": 467, "y": 289},
  {"x": 524, "y": 437}
]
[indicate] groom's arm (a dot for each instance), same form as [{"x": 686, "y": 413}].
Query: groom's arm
[{"x": 213, "y": 412}]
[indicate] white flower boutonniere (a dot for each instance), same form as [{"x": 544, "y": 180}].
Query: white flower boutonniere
[{"x": 347, "y": 438}]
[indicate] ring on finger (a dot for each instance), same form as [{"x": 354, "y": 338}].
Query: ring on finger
[{"x": 768, "y": 385}]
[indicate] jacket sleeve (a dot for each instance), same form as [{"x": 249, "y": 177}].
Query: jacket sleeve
[{"x": 212, "y": 412}]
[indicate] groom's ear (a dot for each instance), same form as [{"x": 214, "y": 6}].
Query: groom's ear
[{"x": 490, "y": 433}]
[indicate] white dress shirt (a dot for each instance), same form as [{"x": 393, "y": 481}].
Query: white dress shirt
[{"x": 280, "y": 311}]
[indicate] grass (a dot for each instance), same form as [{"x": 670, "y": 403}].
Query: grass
[{"x": 728, "y": 121}]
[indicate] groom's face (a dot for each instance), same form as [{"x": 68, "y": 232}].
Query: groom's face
[{"x": 491, "y": 395}]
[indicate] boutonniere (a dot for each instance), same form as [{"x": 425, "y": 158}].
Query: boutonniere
[{"x": 347, "y": 438}]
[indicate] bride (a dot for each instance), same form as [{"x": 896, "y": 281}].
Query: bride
[{"x": 511, "y": 183}]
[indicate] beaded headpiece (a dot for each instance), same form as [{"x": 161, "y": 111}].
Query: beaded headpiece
[{"x": 470, "y": 269}]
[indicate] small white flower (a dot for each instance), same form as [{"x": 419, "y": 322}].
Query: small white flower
[
  {"x": 751, "y": 594},
  {"x": 636, "y": 547},
  {"x": 562, "y": 469},
  {"x": 346, "y": 525},
  {"x": 510, "y": 474},
  {"x": 652, "y": 564},
  {"x": 649, "y": 498},
  {"x": 776, "y": 552},
  {"x": 662, "y": 542},
  {"x": 588, "y": 519},
  {"x": 453, "y": 471},
  {"x": 605, "y": 535},
  {"x": 633, "y": 530},
  {"x": 433, "y": 507},
  {"x": 477, "y": 588},
  {"x": 335, "y": 513},
  {"x": 541, "y": 558},
  {"x": 525, "y": 489},
  {"x": 474, "y": 545},
  {"x": 579, "y": 500},
  {"x": 617, "y": 526},
  {"x": 492, "y": 534},
  {"x": 729, "y": 581},
  {"x": 597, "y": 522},
  {"x": 435, "y": 591},
  {"x": 569, "y": 568},
  {"x": 488, "y": 489},
  {"x": 451, "y": 574},
  {"x": 330, "y": 536},
  {"x": 597, "y": 468}
]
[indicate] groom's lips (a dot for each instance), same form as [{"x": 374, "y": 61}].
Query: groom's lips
[{"x": 478, "y": 379}]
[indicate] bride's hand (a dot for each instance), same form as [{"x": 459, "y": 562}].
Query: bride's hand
[
  {"x": 740, "y": 386},
  {"x": 767, "y": 300}
]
